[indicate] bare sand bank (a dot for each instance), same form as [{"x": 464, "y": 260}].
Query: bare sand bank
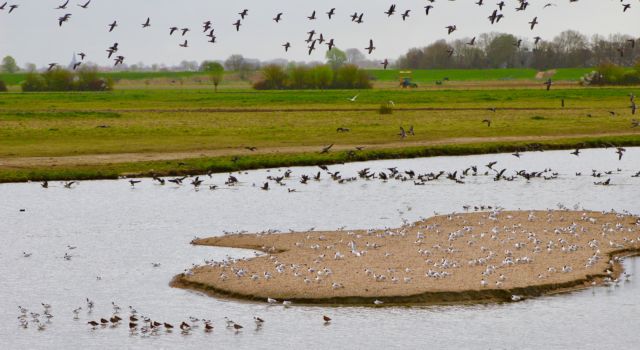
[{"x": 457, "y": 258}]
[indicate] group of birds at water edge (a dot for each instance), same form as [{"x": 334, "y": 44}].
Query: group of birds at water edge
[
  {"x": 137, "y": 323},
  {"x": 287, "y": 178},
  {"x": 314, "y": 39}
]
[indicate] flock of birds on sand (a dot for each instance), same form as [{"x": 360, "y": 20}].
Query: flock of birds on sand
[
  {"x": 137, "y": 324},
  {"x": 314, "y": 39},
  {"x": 439, "y": 257}
]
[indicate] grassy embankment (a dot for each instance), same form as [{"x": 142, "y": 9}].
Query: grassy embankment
[{"x": 103, "y": 135}]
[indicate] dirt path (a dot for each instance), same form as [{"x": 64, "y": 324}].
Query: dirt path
[{"x": 97, "y": 159}]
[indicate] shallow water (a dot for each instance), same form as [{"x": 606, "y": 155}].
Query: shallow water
[{"x": 119, "y": 232}]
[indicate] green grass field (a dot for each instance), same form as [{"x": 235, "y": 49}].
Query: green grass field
[
  {"x": 174, "y": 131},
  {"x": 569, "y": 74}
]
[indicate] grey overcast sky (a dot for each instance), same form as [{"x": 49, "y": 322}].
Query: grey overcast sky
[{"x": 31, "y": 32}]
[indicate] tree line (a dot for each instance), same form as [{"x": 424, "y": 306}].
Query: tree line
[{"x": 569, "y": 49}]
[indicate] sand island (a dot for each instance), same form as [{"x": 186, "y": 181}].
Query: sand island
[{"x": 458, "y": 258}]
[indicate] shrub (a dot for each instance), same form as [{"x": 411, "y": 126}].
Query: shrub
[
  {"x": 386, "y": 109},
  {"x": 34, "y": 83},
  {"x": 86, "y": 79},
  {"x": 611, "y": 74},
  {"x": 273, "y": 78},
  {"x": 3, "y": 86},
  {"x": 318, "y": 77}
]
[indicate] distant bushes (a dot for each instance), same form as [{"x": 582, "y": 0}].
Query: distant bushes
[
  {"x": 3, "y": 86},
  {"x": 298, "y": 77},
  {"x": 612, "y": 74},
  {"x": 85, "y": 79}
]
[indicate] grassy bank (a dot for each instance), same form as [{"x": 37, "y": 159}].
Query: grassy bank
[{"x": 223, "y": 164}]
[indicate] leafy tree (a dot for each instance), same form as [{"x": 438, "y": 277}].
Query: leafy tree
[
  {"x": 355, "y": 56},
  {"x": 336, "y": 58},
  {"x": 9, "y": 65},
  {"x": 33, "y": 83},
  {"x": 323, "y": 76},
  {"x": 501, "y": 51},
  {"x": 273, "y": 78},
  {"x": 215, "y": 71}
]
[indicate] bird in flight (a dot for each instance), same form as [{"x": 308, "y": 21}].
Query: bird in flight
[
  {"x": 391, "y": 10},
  {"x": 287, "y": 45},
  {"x": 185, "y": 44},
  {"x": 63, "y": 19},
  {"x": 147, "y": 23},
  {"x": 237, "y": 24},
  {"x": 278, "y": 17},
  {"x": 534, "y": 22},
  {"x": 63, "y": 6},
  {"x": 371, "y": 47},
  {"x": 244, "y": 13},
  {"x": 331, "y": 13},
  {"x": 85, "y": 5},
  {"x": 112, "y": 26}
]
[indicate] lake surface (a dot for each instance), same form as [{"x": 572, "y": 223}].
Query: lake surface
[{"x": 119, "y": 232}]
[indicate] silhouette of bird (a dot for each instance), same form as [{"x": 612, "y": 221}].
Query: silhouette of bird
[
  {"x": 533, "y": 22},
  {"x": 371, "y": 47},
  {"x": 85, "y": 5},
  {"x": 237, "y": 24},
  {"x": 385, "y": 63},
  {"x": 147, "y": 23},
  {"x": 620, "y": 151},
  {"x": 112, "y": 26},
  {"x": 244, "y": 13},
  {"x": 391, "y": 10},
  {"x": 326, "y": 149},
  {"x": 63, "y": 6},
  {"x": 331, "y": 13},
  {"x": 278, "y": 17},
  {"x": 451, "y": 29},
  {"x": 63, "y": 19}
]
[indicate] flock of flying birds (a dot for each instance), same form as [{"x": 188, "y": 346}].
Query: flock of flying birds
[
  {"x": 314, "y": 39},
  {"x": 391, "y": 174}
]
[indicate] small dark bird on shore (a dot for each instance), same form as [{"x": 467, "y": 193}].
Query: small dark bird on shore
[{"x": 326, "y": 149}]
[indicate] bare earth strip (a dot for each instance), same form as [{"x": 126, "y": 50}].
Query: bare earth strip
[
  {"x": 473, "y": 257},
  {"x": 97, "y": 159}
]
